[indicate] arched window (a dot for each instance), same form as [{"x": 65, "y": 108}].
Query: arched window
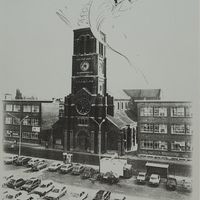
[
  {"x": 81, "y": 44},
  {"x": 88, "y": 44}
]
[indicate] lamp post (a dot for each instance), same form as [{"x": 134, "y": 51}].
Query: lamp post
[
  {"x": 99, "y": 136},
  {"x": 20, "y": 129}
]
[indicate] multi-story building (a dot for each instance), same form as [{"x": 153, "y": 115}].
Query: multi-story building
[
  {"x": 164, "y": 128},
  {"x": 35, "y": 116}
]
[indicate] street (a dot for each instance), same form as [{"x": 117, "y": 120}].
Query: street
[{"x": 126, "y": 187}]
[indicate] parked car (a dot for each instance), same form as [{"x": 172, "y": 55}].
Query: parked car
[
  {"x": 88, "y": 172},
  {"x": 57, "y": 192},
  {"x": 171, "y": 183},
  {"x": 117, "y": 196},
  {"x": 55, "y": 166},
  {"x": 40, "y": 165},
  {"x": 31, "y": 184},
  {"x": 22, "y": 160},
  {"x": 12, "y": 194},
  {"x": 102, "y": 195},
  {"x": 10, "y": 159},
  {"x": 77, "y": 169},
  {"x": 32, "y": 162},
  {"x": 45, "y": 187},
  {"x": 141, "y": 177},
  {"x": 154, "y": 179},
  {"x": 78, "y": 195},
  {"x": 33, "y": 197},
  {"x": 110, "y": 177},
  {"x": 6, "y": 179},
  {"x": 187, "y": 185},
  {"x": 66, "y": 168},
  {"x": 15, "y": 183}
]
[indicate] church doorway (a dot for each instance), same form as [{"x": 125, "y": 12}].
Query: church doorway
[{"x": 83, "y": 141}]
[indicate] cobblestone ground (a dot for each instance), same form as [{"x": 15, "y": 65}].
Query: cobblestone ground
[{"x": 126, "y": 187}]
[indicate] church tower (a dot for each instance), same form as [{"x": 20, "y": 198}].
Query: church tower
[{"x": 88, "y": 104}]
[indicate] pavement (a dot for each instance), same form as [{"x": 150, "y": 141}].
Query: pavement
[{"x": 126, "y": 187}]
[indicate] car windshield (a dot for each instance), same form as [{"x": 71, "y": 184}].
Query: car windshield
[
  {"x": 56, "y": 190},
  {"x": 154, "y": 178},
  {"x": 43, "y": 185},
  {"x": 12, "y": 181},
  {"x": 29, "y": 182},
  {"x": 10, "y": 196},
  {"x": 142, "y": 175}
]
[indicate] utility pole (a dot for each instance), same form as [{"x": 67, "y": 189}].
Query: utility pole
[
  {"x": 20, "y": 130},
  {"x": 99, "y": 137}
]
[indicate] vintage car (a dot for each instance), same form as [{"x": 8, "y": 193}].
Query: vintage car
[
  {"x": 32, "y": 162},
  {"x": 77, "y": 169},
  {"x": 55, "y": 166},
  {"x": 88, "y": 172},
  {"x": 187, "y": 185},
  {"x": 45, "y": 187},
  {"x": 66, "y": 168},
  {"x": 102, "y": 195},
  {"x": 78, "y": 195},
  {"x": 15, "y": 183},
  {"x": 21, "y": 160},
  {"x": 57, "y": 192},
  {"x": 110, "y": 177},
  {"x": 171, "y": 183},
  {"x": 154, "y": 179},
  {"x": 141, "y": 177},
  {"x": 10, "y": 159},
  {"x": 40, "y": 165},
  {"x": 31, "y": 184}
]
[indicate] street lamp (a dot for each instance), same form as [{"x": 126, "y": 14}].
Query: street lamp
[
  {"x": 20, "y": 129},
  {"x": 99, "y": 136}
]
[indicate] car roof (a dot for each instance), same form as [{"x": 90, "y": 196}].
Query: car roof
[
  {"x": 154, "y": 175},
  {"x": 59, "y": 186},
  {"x": 142, "y": 173}
]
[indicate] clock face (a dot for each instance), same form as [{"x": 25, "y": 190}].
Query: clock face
[
  {"x": 83, "y": 106},
  {"x": 84, "y": 66}
]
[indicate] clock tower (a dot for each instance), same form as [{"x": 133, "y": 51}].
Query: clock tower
[{"x": 89, "y": 103}]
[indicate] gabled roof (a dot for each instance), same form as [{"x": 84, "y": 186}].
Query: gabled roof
[
  {"x": 143, "y": 93},
  {"x": 121, "y": 120}
]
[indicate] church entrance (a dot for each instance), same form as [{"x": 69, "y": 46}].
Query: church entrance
[{"x": 83, "y": 141}]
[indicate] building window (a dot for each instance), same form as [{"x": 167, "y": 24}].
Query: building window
[
  {"x": 177, "y": 112},
  {"x": 145, "y": 144},
  {"x": 188, "y": 112},
  {"x": 58, "y": 141},
  {"x": 34, "y": 136},
  {"x": 16, "y": 108},
  {"x": 15, "y": 134},
  {"x": 160, "y": 112},
  {"x": 8, "y": 107},
  {"x": 118, "y": 105},
  {"x": 16, "y": 121},
  {"x": 35, "y": 109},
  {"x": 26, "y": 108},
  {"x": 160, "y": 128},
  {"x": 8, "y": 120},
  {"x": 83, "y": 121},
  {"x": 100, "y": 48},
  {"x": 188, "y": 146},
  {"x": 26, "y": 135},
  {"x": 146, "y": 111},
  {"x": 122, "y": 105},
  {"x": 188, "y": 129},
  {"x": 27, "y": 122},
  {"x": 178, "y": 146},
  {"x": 178, "y": 129},
  {"x": 146, "y": 128},
  {"x": 160, "y": 145},
  {"x": 34, "y": 122}
]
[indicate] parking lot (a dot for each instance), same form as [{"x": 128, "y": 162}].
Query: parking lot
[{"x": 125, "y": 187}]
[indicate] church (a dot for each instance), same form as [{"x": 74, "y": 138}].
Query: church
[{"x": 89, "y": 125}]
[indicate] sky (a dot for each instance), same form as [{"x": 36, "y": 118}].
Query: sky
[{"x": 158, "y": 36}]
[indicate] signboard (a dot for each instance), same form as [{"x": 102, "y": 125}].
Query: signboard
[{"x": 35, "y": 129}]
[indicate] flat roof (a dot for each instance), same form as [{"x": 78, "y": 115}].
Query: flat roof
[
  {"x": 162, "y": 101},
  {"x": 27, "y": 100},
  {"x": 160, "y": 165}
]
